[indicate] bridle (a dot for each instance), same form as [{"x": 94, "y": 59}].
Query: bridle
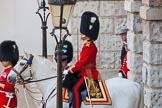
[
  {"x": 19, "y": 77},
  {"x": 23, "y": 81}
]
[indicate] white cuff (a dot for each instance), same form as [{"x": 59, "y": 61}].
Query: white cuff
[
  {"x": 120, "y": 75},
  {"x": 65, "y": 72}
]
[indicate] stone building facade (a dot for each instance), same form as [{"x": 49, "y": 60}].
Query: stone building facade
[
  {"x": 151, "y": 14},
  {"x": 135, "y": 39},
  {"x": 145, "y": 43},
  {"x": 112, "y": 16},
  {"x": 142, "y": 17}
]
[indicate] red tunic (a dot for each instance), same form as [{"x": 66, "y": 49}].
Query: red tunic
[
  {"x": 7, "y": 88},
  {"x": 124, "y": 67},
  {"x": 87, "y": 61}
]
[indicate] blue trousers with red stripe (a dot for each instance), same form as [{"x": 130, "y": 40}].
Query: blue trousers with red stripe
[{"x": 76, "y": 92}]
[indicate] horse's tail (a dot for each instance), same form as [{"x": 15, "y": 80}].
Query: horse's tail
[{"x": 141, "y": 102}]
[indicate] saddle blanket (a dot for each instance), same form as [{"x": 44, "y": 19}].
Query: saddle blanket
[{"x": 98, "y": 92}]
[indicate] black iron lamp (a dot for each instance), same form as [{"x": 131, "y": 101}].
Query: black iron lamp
[
  {"x": 43, "y": 16},
  {"x": 61, "y": 11}
]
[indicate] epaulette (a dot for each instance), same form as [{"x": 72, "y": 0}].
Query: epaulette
[{"x": 4, "y": 74}]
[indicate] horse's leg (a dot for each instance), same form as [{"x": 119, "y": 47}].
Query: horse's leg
[
  {"x": 95, "y": 106},
  {"x": 51, "y": 103}
]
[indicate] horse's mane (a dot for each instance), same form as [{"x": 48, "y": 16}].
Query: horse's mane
[{"x": 45, "y": 62}]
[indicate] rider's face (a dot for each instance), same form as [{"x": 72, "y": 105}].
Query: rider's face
[
  {"x": 84, "y": 37},
  {"x": 6, "y": 63},
  {"x": 123, "y": 37},
  {"x": 64, "y": 64}
]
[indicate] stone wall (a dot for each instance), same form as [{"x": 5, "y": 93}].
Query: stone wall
[
  {"x": 112, "y": 16},
  {"x": 111, "y": 13},
  {"x": 151, "y": 14}
]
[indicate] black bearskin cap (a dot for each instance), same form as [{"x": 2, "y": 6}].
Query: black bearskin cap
[
  {"x": 9, "y": 51},
  {"x": 90, "y": 25},
  {"x": 67, "y": 51}
]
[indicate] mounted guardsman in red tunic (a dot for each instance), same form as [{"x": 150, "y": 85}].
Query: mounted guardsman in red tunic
[
  {"x": 86, "y": 65},
  {"x": 67, "y": 56},
  {"x": 123, "y": 69},
  {"x": 9, "y": 56}
]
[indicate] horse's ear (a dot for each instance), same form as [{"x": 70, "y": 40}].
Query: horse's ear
[{"x": 26, "y": 54}]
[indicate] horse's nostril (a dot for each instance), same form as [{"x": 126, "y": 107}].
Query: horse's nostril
[{"x": 9, "y": 79}]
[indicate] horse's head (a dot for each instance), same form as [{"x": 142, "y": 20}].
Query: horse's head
[{"x": 21, "y": 72}]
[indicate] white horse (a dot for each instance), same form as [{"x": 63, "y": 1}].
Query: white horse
[{"x": 124, "y": 93}]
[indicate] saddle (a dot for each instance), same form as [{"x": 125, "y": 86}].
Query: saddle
[
  {"x": 93, "y": 88},
  {"x": 95, "y": 93}
]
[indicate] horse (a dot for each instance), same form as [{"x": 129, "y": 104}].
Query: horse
[{"x": 124, "y": 93}]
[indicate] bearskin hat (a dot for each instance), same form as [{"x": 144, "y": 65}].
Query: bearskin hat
[
  {"x": 9, "y": 51},
  {"x": 67, "y": 51},
  {"x": 90, "y": 25}
]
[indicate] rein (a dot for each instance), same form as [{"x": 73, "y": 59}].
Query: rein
[
  {"x": 32, "y": 81},
  {"x": 29, "y": 80},
  {"x": 25, "y": 66}
]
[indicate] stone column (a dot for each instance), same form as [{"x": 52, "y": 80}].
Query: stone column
[
  {"x": 135, "y": 39},
  {"x": 151, "y": 14}
]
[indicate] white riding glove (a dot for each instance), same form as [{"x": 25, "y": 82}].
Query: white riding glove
[
  {"x": 65, "y": 72},
  {"x": 120, "y": 75}
]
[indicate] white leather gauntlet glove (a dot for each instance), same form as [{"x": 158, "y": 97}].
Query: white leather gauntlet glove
[
  {"x": 65, "y": 72},
  {"x": 120, "y": 75}
]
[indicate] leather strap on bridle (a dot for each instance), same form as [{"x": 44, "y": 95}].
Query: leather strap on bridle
[
  {"x": 25, "y": 66},
  {"x": 29, "y": 80}
]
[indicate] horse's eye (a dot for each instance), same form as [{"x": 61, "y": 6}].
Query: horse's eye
[
  {"x": 21, "y": 63},
  {"x": 25, "y": 59}
]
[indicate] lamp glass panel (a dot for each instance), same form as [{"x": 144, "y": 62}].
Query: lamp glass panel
[
  {"x": 55, "y": 13},
  {"x": 39, "y": 1},
  {"x": 67, "y": 13}
]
